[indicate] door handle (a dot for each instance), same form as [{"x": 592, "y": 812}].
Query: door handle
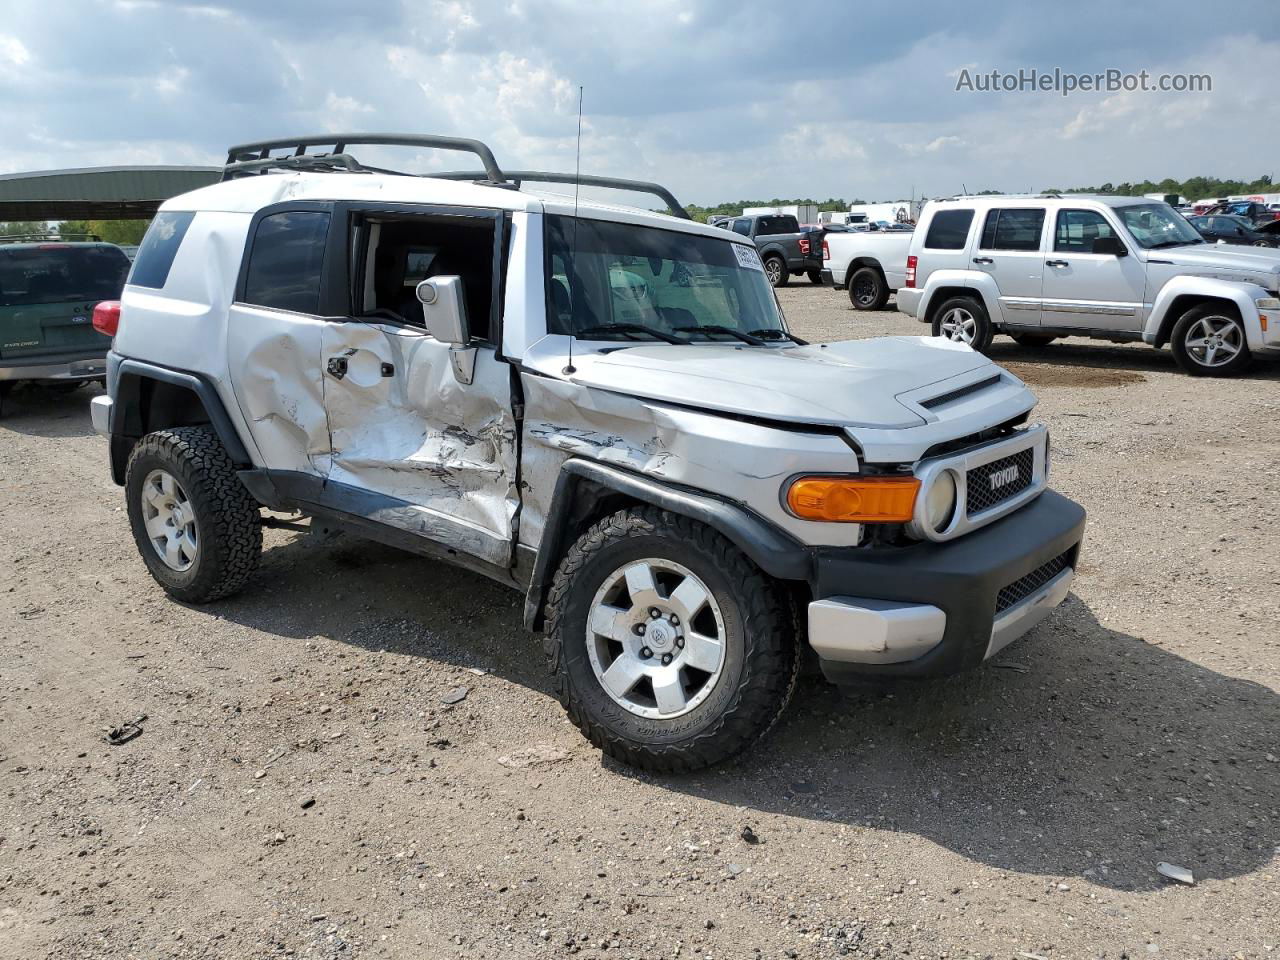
[
  {"x": 1056, "y": 263},
  {"x": 337, "y": 367},
  {"x": 983, "y": 260}
]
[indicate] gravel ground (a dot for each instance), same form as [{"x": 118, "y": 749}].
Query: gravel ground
[{"x": 304, "y": 788}]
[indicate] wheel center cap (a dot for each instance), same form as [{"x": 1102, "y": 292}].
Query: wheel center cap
[{"x": 659, "y": 635}]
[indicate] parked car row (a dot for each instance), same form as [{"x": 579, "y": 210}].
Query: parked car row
[{"x": 1041, "y": 267}]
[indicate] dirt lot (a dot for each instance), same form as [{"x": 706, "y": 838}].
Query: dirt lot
[{"x": 302, "y": 789}]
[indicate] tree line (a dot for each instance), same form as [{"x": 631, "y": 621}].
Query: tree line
[{"x": 124, "y": 232}]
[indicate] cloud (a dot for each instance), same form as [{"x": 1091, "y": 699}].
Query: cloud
[{"x": 685, "y": 92}]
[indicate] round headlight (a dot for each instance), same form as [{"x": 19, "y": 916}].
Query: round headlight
[{"x": 940, "y": 501}]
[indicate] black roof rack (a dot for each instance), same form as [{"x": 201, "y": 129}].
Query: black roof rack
[
  {"x": 250, "y": 158},
  {"x": 247, "y": 159},
  {"x": 541, "y": 176}
]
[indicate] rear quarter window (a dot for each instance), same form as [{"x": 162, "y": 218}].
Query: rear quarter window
[
  {"x": 286, "y": 261},
  {"x": 948, "y": 230},
  {"x": 159, "y": 246}
]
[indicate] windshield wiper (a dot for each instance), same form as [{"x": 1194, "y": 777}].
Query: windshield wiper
[
  {"x": 631, "y": 329},
  {"x": 773, "y": 333},
  {"x": 1174, "y": 243},
  {"x": 721, "y": 328}
]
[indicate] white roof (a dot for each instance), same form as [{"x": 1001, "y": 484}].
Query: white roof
[{"x": 250, "y": 194}]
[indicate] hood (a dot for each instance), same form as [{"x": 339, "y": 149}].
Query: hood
[
  {"x": 856, "y": 383},
  {"x": 1225, "y": 261}
]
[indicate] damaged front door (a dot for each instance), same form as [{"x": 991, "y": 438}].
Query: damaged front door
[{"x": 416, "y": 447}]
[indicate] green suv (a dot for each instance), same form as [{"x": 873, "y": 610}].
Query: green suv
[{"x": 48, "y": 289}]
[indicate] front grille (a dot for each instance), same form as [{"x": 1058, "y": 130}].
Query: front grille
[
  {"x": 1024, "y": 587},
  {"x": 997, "y": 481}
]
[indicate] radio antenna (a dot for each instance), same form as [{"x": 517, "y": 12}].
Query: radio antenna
[{"x": 573, "y": 253}]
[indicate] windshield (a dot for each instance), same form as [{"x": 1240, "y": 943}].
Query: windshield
[
  {"x": 1157, "y": 225},
  {"x": 658, "y": 283},
  {"x": 57, "y": 274}
]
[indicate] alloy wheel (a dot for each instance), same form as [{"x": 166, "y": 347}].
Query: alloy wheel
[
  {"x": 959, "y": 325},
  {"x": 1214, "y": 341},
  {"x": 656, "y": 639},
  {"x": 170, "y": 520}
]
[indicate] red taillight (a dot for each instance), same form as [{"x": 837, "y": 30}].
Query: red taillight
[
  {"x": 106, "y": 317},
  {"x": 826, "y": 250},
  {"x": 911, "y": 271},
  {"x": 804, "y": 245}
]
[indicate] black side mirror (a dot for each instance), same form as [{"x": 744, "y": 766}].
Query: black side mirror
[{"x": 1109, "y": 245}]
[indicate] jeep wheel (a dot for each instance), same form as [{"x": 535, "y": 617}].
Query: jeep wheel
[
  {"x": 776, "y": 271},
  {"x": 1209, "y": 341},
  {"x": 815, "y": 277},
  {"x": 669, "y": 649},
  {"x": 963, "y": 320},
  {"x": 1033, "y": 340},
  {"x": 867, "y": 289},
  {"x": 195, "y": 524}
]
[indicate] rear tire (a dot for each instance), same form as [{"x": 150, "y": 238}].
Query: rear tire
[
  {"x": 194, "y": 522},
  {"x": 601, "y": 597},
  {"x": 775, "y": 269},
  {"x": 1034, "y": 341},
  {"x": 867, "y": 289},
  {"x": 964, "y": 320},
  {"x": 1203, "y": 335},
  {"x": 815, "y": 277}
]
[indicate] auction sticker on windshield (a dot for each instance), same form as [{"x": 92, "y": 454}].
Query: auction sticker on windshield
[{"x": 747, "y": 256}]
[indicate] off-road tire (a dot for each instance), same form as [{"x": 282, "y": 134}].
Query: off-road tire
[
  {"x": 1034, "y": 341},
  {"x": 1188, "y": 363},
  {"x": 858, "y": 289},
  {"x": 815, "y": 277},
  {"x": 983, "y": 331},
  {"x": 230, "y": 531},
  {"x": 782, "y": 276},
  {"x": 761, "y": 655}
]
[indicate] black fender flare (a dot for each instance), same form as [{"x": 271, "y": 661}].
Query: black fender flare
[
  {"x": 130, "y": 421},
  {"x": 773, "y": 550}
]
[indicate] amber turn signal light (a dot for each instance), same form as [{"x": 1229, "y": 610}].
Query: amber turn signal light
[{"x": 854, "y": 499}]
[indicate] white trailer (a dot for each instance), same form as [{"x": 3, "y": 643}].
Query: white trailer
[
  {"x": 803, "y": 212},
  {"x": 900, "y": 211}
]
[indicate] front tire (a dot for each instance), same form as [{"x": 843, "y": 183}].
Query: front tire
[
  {"x": 964, "y": 320},
  {"x": 691, "y": 686},
  {"x": 867, "y": 289},
  {"x": 775, "y": 269},
  {"x": 194, "y": 522},
  {"x": 1209, "y": 341}
]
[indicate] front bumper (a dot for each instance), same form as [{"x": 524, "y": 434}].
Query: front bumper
[
  {"x": 828, "y": 280},
  {"x": 91, "y": 367},
  {"x": 933, "y": 609}
]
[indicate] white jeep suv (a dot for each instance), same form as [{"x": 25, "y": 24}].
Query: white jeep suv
[
  {"x": 1111, "y": 268},
  {"x": 599, "y": 406}
]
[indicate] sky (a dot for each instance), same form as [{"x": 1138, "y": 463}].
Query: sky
[{"x": 717, "y": 100}]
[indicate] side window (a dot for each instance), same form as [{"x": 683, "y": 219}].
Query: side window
[
  {"x": 159, "y": 246},
  {"x": 1012, "y": 229},
  {"x": 285, "y": 261},
  {"x": 949, "y": 230},
  {"x": 743, "y": 227},
  {"x": 1077, "y": 229},
  {"x": 397, "y": 254}
]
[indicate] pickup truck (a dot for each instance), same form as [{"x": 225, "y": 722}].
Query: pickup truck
[
  {"x": 869, "y": 264},
  {"x": 784, "y": 249},
  {"x": 1124, "y": 269}
]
